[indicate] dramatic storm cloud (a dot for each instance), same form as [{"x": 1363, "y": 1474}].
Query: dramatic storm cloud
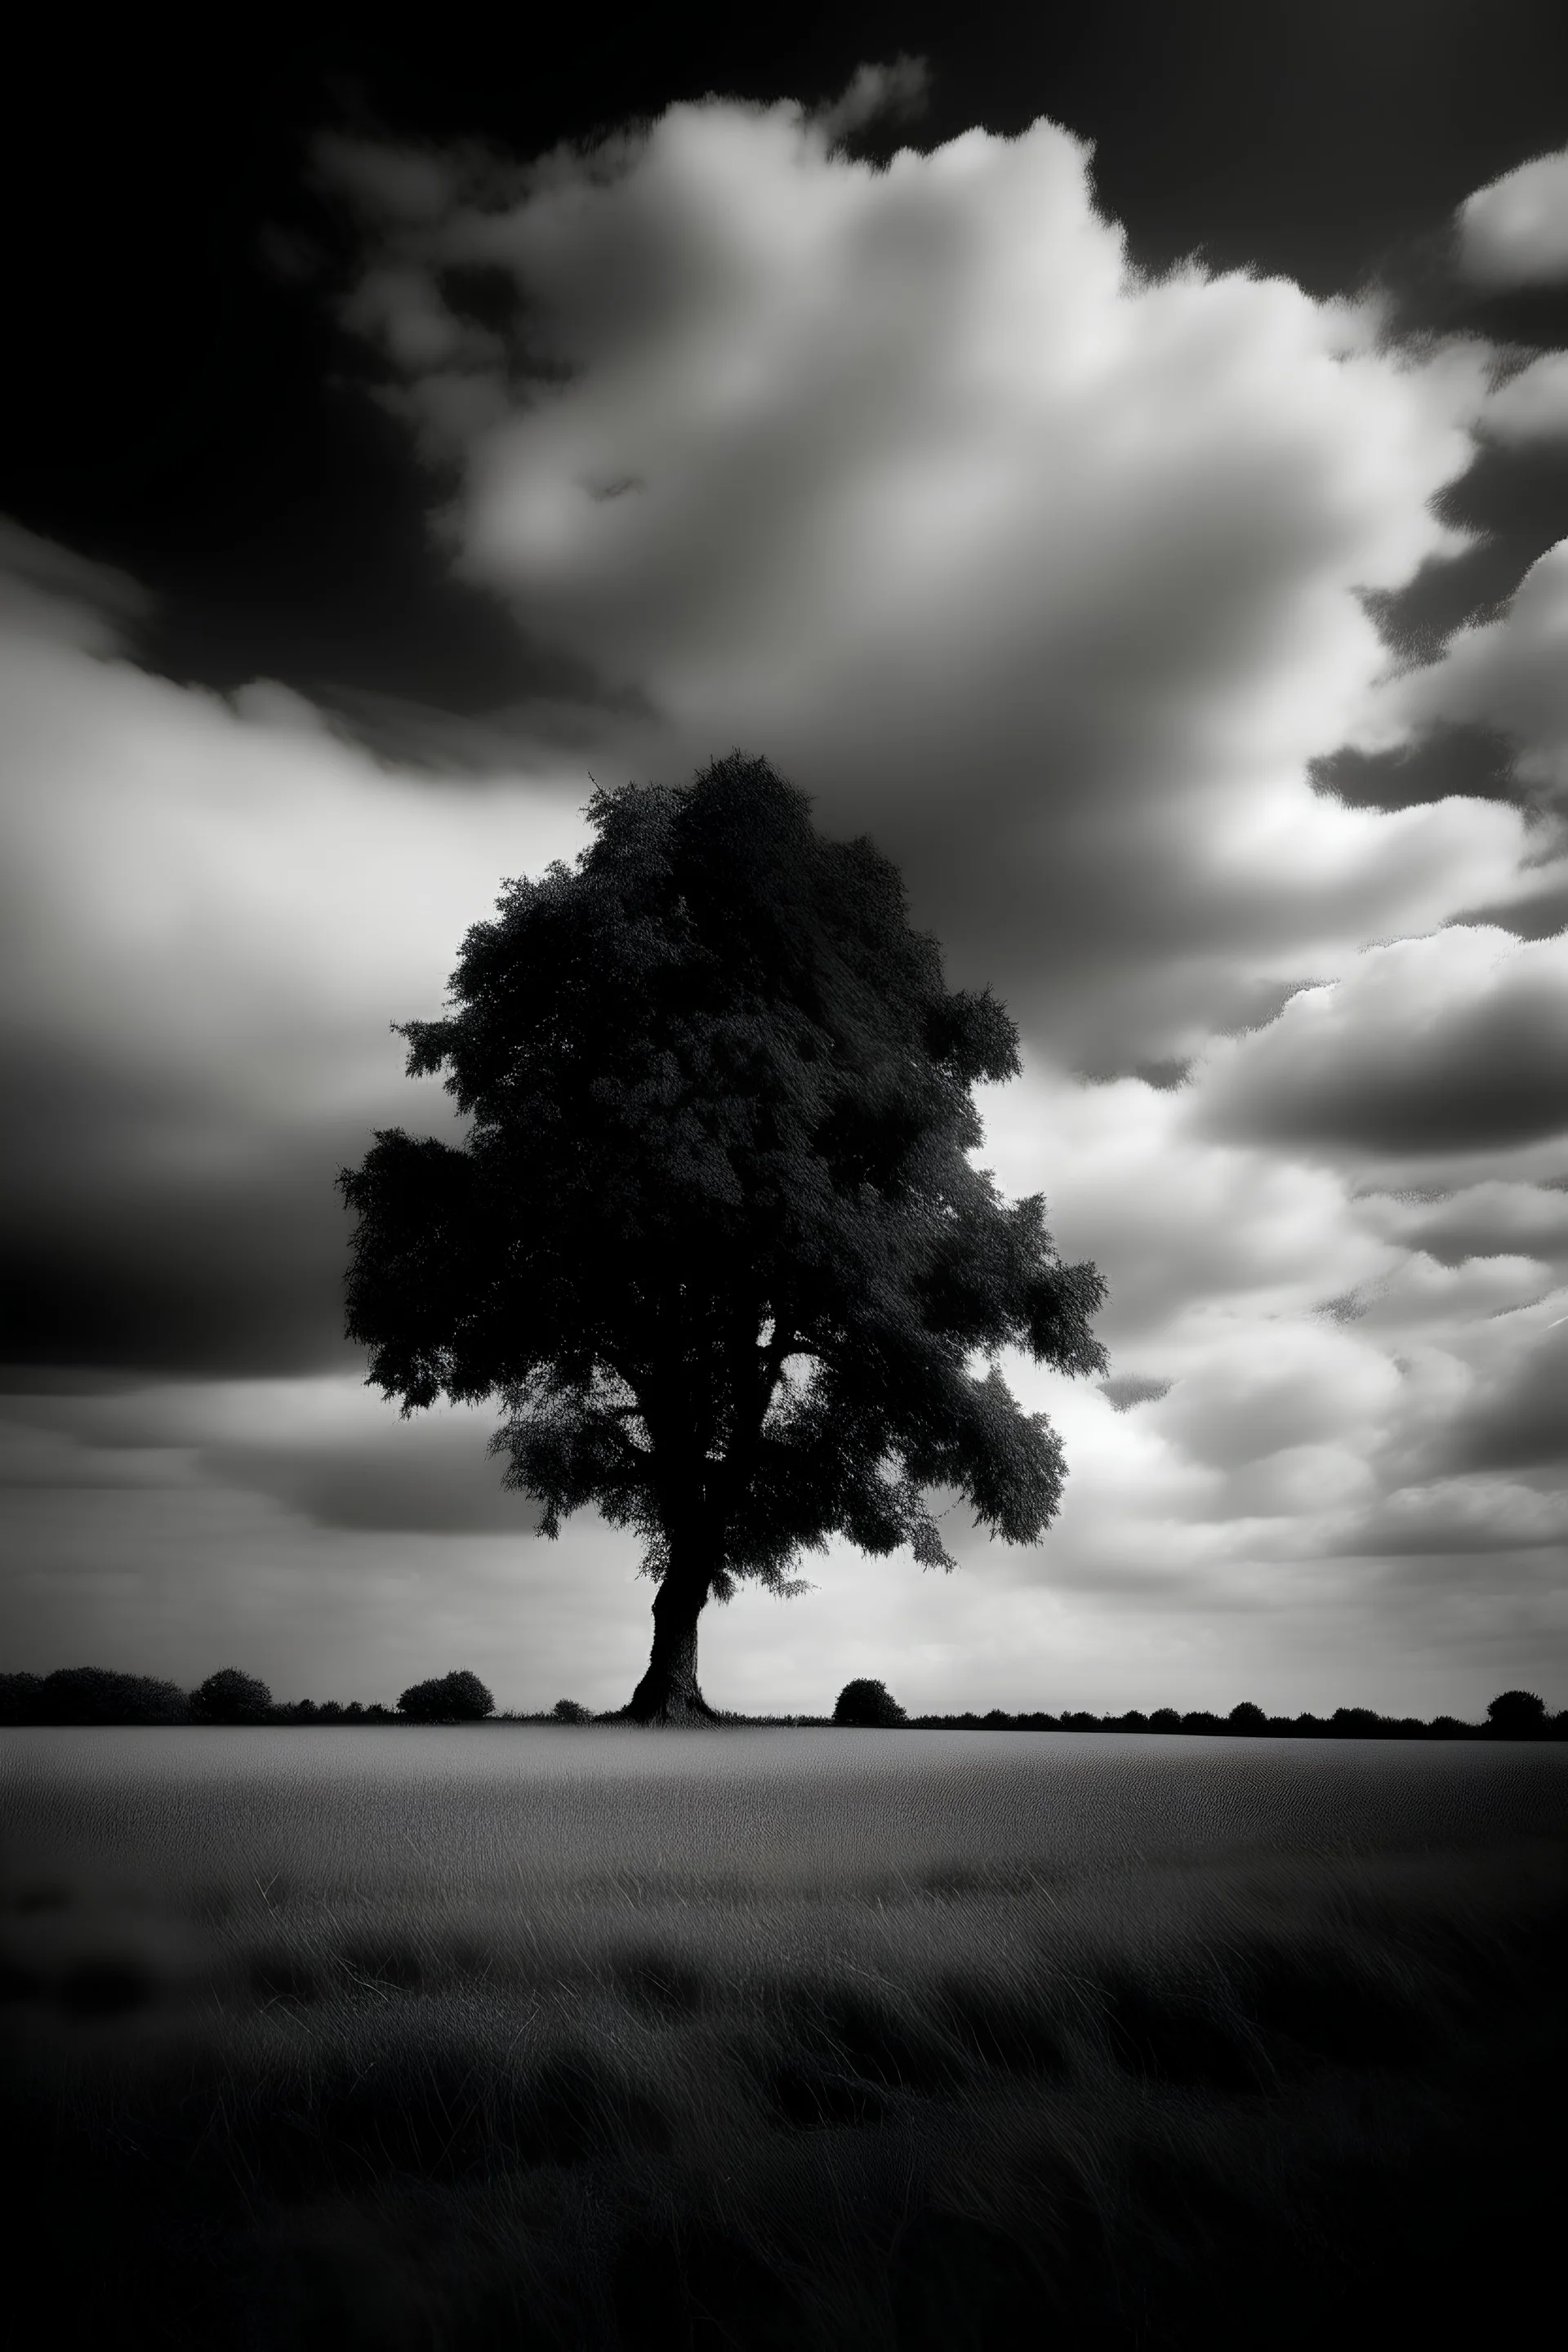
[{"x": 1068, "y": 584}]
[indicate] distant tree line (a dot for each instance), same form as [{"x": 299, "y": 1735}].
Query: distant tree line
[
  {"x": 1512, "y": 1715},
  {"x": 94, "y": 1695}
]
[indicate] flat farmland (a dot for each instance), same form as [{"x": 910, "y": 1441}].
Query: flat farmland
[{"x": 587, "y": 2036}]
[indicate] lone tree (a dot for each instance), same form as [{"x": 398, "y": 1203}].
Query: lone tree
[{"x": 711, "y": 1239}]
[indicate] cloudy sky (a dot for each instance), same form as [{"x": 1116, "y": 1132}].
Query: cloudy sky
[{"x": 1128, "y": 478}]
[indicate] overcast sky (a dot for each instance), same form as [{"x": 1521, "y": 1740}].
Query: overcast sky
[{"x": 1129, "y": 481}]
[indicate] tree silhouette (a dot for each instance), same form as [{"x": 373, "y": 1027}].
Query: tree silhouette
[
  {"x": 92, "y": 1694},
  {"x": 229, "y": 1696},
  {"x": 868, "y": 1706},
  {"x": 719, "y": 1108},
  {"x": 458, "y": 1697},
  {"x": 1517, "y": 1715}
]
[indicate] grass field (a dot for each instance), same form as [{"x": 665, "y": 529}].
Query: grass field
[{"x": 280, "y": 2087}]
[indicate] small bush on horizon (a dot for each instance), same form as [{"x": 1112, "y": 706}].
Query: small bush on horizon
[
  {"x": 458, "y": 1697},
  {"x": 230, "y": 1697},
  {"x": 566, "y": 1710},
  {"x": 868, "y": 1706}
]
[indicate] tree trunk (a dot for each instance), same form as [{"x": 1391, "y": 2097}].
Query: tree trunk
[{"x": 669, "y": 1691}]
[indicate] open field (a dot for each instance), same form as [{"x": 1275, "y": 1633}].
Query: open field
[{"x": 585, "y": 2039}]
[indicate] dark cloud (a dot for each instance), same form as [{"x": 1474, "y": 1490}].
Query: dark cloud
[
  {"x": 421, "y": 1477},
  {"x": 1513, "y": 504},
  {"x": 528, "y": 737},
  {"x": 1534, "y": 914},
  {"x": 145, "y": 1232},
  {"x": 1124, "y": 1390},
  {"x": 1518, "y": 1420},
  {"x": 1486, "y": 1219},
  {"x": 1446, "y": 761},
  {"x": 60, "y": 593},
  {"x": 1451, "y": 1518},
  {"x": 878, "y": 99}
]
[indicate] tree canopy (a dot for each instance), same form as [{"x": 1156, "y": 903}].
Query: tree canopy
[{"x": 711, "y": 1239}]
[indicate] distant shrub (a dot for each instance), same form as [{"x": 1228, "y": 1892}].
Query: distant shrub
[
  {"x": 1517, "y": 1715},
  {"x": 1356, "y": 1722},
  {"x": 229, "y": 1696},
  {"x": 1248, "y": 1718},
  {"x": 458, "y": 1698},
  {"x": 1164, "y": 1718},
  {"x": 868, "y": 1706},
  {"x": 566, "y": 1710}
]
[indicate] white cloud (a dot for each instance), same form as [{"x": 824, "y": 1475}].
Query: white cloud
[
  {"x": 228, "y": 894},
  {"x": 1514, "y": 231},
  {"x": 210, "y": 912},
  {"x": 1532, "y": 405},
  {"x": 904, "y": 479}
]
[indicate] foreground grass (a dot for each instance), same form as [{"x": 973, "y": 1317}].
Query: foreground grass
[{"x": 1219, "y": 2104}]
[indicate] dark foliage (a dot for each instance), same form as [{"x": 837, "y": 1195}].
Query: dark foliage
[
  {"x": 721, "y": 1114},
  {"x": 1517, "y": 1715},
  {"x": 458, "y": 1697},
  {"x": 229, "y": 1696},
  {"x": 21, "y": 1698},
  {"x": 91, "y": 1694},
  {"x": 868, "y": 1706}
]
